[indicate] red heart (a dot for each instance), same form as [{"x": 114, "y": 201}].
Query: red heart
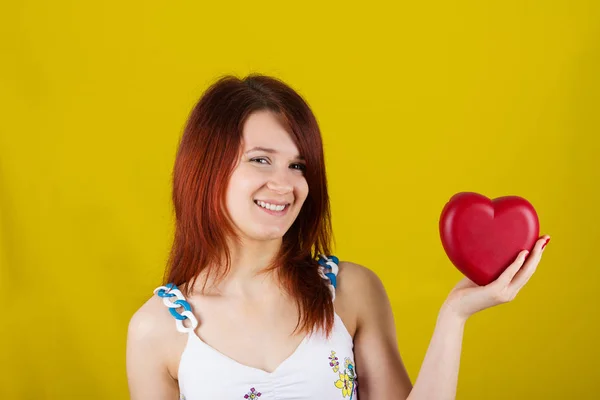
[{"x": 482, "y": 237}]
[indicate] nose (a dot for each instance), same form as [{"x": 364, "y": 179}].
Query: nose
[{"x": 280, "y": 182}]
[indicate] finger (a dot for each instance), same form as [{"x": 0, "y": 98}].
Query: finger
[
  {"x": 539, "y": 245},
  {"x": 506, "y": 277},
  {"x": 525, "y": 273},
  {"x": 543, "y": 242},
  {"x": 523, "y": 276}
]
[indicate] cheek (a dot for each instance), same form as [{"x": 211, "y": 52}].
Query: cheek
[
  {"x": 302, "y": 190},
  {"x": 236, "y": 192},
  {"x": 241, "y": 183}
]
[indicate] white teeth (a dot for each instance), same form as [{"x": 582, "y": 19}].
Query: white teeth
[{"x": 269, "y": 206}]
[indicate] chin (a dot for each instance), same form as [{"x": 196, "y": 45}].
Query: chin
[{"x": 268, "y": 234}]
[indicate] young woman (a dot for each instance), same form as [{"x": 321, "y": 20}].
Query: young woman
[{"x": 253, "y": 304}]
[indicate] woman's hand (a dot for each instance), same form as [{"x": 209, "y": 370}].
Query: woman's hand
[{"x": 467, "y": 298}]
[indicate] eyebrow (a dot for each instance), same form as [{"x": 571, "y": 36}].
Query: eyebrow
[{"x": 270, "y": 151}]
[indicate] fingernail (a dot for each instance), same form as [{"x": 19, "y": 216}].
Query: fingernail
[{"x": 547, "y": 240}]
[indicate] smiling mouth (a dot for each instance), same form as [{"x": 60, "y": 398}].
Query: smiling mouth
[{"x": 272, "y": 207}]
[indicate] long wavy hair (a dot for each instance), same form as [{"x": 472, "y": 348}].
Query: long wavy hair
[{"x": 206, "y": 157}]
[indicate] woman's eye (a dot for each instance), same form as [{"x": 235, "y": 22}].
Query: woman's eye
[
  {"x": 265, "y": 161},
  {"x": 260, "y": 160},
  {"x": 300, "y": 167}
]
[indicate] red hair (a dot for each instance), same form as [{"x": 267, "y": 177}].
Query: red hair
[{"x": 207, "y": 155}]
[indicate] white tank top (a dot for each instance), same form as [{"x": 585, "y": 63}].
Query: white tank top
[{"x": 319, "y": 368}]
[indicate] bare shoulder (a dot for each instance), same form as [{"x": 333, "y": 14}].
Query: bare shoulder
[
  {"x": 149, "y": 338},
  {"x": 359, "y": 284},
  {"x": 149, "y": 321},
  {"x": 148, "y": 330},
  {"x": 358, "y": 277},
  {"x": 376, "y": 352},
  {"x": 359, "y": 291}
]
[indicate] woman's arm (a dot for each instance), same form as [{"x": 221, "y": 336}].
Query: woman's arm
[
  {"x": 379, "y": 367},
  {"x": 147, "y": 374},
  {"x": 438, "y": 377}
]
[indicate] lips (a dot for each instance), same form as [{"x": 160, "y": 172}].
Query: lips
[
  {"x": 273, "y": 202},
  {"x": 275, "y": 212}
]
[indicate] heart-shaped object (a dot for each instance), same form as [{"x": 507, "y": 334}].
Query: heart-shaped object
[{"x": 482, "y": 237}]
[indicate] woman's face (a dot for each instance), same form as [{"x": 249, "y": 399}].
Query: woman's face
[{"x": 267, "y": 188}]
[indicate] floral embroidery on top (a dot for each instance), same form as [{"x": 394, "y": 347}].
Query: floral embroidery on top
[
  {"x": 252, "y": 394},
  {"x": 344, "y": 383},
  {"x": 182, "y": 397},
  {"x": 348, "y": 380},
  {"x": 350, "y": 367},
  {"x": 333, "y": 362}
]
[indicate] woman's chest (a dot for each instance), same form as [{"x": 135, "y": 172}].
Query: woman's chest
[
  {"x": 319, "y": 368},
  {"x": 260, "y": 336},
  {"x": 253, "y": 346}
]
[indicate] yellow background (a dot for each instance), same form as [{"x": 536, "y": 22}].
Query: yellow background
[{"x": 416, "y": 100}]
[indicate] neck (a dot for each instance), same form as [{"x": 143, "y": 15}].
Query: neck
[{"x": 246, "y": 277}]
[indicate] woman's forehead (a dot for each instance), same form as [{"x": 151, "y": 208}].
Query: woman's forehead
[{"x": 265, "y": 131}]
